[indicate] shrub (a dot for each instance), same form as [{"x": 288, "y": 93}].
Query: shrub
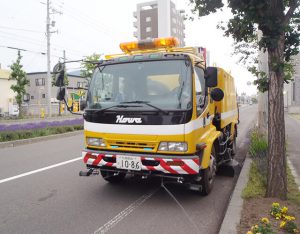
[
  {"x": 69, "y": 128},
  {"x": 59, "y": 130},
  {"x": 40, "y": 125},
  {"x": 78, "y": 127},
  {"x": 25, "y": 134}
]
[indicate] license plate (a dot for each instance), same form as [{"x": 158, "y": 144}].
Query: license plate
[{"x": 129, "y": 162}]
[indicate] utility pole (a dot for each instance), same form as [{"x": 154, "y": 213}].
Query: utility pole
[
  {"x": 48, "y": 34},
  {"x": 263, "y": 97},
  {"x": 48, "y": 59}
]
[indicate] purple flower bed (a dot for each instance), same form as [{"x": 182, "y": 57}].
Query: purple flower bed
[{"x": 39, "y": 125}]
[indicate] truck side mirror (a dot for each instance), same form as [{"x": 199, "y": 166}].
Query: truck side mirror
[
  {"x": 59, "y": 71},
  {"x": 82, "y": 104},
  {"x": 217, "y": 94},
  {"x": 61, "y": 92},
  {"x": 211, "y": 77}
]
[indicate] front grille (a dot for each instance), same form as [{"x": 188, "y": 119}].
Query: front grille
[{"x": 132, "y": 145}]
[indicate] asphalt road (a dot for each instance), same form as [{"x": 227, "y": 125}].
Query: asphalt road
[{"x": 40, "y": 195}]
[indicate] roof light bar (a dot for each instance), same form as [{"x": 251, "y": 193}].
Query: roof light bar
[{"x": 166, "y": 42}]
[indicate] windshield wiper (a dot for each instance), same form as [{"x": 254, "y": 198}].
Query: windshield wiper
[
  {"x": 115, "y": 106},
  {"x": 180, "y": 93},
  {"x": 148, "y": 104}
]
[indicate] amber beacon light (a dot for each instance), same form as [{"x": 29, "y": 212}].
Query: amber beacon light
[{"x": 166, "y": 42}]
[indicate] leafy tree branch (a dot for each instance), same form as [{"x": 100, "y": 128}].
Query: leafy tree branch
[{"x": 19, "y": 75}]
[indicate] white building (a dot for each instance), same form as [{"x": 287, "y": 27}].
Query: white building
[
  {"x": 292, "y": 90},
  {"x": 6, "y": 94},
  {"x": 159, "y": 18}
]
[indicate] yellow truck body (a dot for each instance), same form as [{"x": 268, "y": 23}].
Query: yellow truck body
[{"x": 182, "y": 143}]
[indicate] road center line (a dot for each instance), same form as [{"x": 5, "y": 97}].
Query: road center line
[
  {"x": 39, "y": 170},
  {"x": 119, "y": 217}
]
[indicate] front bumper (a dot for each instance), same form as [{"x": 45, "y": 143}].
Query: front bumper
[{"x": 186, "y": 165}]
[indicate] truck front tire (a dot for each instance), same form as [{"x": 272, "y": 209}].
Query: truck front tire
[{"x": 208, "y": 175}]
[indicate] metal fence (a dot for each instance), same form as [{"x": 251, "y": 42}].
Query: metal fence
[{"x": 42, "y": 110}]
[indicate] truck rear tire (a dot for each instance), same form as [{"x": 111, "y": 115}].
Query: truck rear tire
[
  {"x": 233, "y": 147},
  {"x": 209, "y": 174},
  {"x": 111, "y": 177},
  {"x": 233, "y": 152}
]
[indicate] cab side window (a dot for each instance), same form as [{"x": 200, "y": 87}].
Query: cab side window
[{"x": 200, "y": 89}]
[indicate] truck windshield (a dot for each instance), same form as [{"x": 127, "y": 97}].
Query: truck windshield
[{"x": 164, "y": 84}]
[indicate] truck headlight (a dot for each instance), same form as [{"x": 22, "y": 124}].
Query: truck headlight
[
  {"x": 92, "y": 141},
  {"x": 173, "y": 146}
]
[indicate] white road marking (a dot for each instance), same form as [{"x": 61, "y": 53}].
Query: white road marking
[
  {"x": 119, "y": 217},
  {"x": 39, "y": 170}
]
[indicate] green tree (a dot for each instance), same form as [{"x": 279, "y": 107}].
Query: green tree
[
  {"x": 88, "y": 66},
  {"x": 278, "y": 20},
  {"x": 19, "y": 75}
]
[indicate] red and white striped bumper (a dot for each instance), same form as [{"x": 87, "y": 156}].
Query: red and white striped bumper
[{"x": 187, "y": 166}]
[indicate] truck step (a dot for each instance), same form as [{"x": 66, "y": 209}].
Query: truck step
[{"x": 87, "y": 173}]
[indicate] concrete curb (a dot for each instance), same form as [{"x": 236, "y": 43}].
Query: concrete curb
[
  {"x": 233, "y": 214},
  {"x": 294, "y": 173},
  {"x": 37, "y": 139},
  {"x": 290, "y": 164},
  {"x": 293, "y": 117}
]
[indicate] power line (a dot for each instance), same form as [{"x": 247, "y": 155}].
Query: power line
[
  {"x": 30, "y": 51},
  {"x": 15, "y": 48},
  {"x": 86, "y": 18},
  {"x": 18, "y": 39},
  {"x": 88, "y": 21},
  {"x": 18, "y": 35},
  {"x": 32, "y": 41},
  {"x": 35, "y": 41},
  {"x": 21, "y": 29}
]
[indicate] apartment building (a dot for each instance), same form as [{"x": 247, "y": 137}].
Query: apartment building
[
  {"x": 36, "y": 92},
  {"x": 37, "y": 87},
  {"x": 159, "y": 18}
]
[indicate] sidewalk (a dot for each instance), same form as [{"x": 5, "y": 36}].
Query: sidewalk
[
  {"x": 292, "y": 126},
  {"x": 233, "y": 214}
]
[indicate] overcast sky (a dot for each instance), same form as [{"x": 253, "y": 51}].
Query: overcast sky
[{"x": 98, "y": 26}]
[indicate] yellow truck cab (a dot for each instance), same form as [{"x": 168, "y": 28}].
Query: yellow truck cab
[{"x": 157, "y": 110}]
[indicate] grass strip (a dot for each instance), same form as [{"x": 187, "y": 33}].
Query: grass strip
[{"x": 257, "y": 184}]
